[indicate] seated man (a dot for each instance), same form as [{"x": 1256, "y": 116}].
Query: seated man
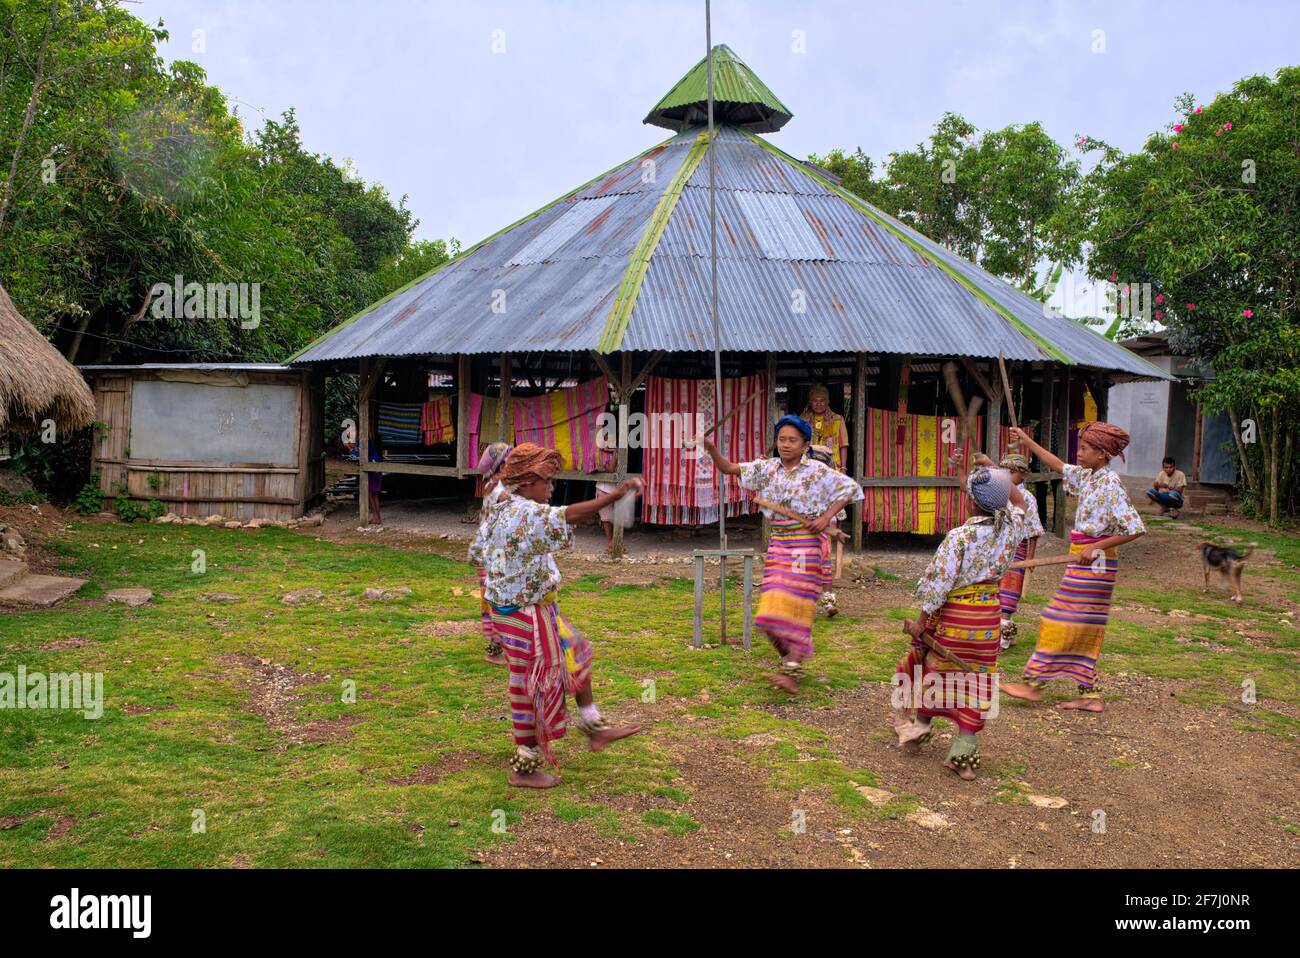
[{"x": 1168, "y": 490}]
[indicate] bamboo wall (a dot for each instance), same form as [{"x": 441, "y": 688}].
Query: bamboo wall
[{"x": 237, "y": 490}]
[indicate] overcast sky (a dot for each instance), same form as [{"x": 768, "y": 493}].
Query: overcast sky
[{"x": 414, "y": 94}]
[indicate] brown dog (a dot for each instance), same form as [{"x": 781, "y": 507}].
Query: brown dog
[{"x": 1229, "y": 562}]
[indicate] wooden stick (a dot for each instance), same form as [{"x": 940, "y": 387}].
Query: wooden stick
[
  {"x": 952, "y": 657},
  {"x": 1006, "y": 389},
  {"x": 791, "y": 514},
  {"x": 1049, "y": 560},
  {"x": 723, "y": 421},
  {"x": 839, "y": 555}
]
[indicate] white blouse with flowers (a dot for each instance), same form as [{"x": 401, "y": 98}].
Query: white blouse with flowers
[
  {"x": 975, "y": 551},
  {"x": 1104, "y": 508},
  {"x": 514, "y": 545},
  {"x": 809, "y": 489},
  {"x": 1033, "y": 524}
]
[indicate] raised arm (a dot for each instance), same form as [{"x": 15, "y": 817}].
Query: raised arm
[{"x": 725, "y": 465}]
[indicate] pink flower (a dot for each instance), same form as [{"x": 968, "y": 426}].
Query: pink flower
[
  {"x": 1174, "y": 145},
  {"x": 1248, "y": 313},
  {"x": 1218, "y": 133},
  {"x": 1126, "y": 290},
  {"x": 1191, "y": 306},
  {"x": 1178, "y": 128},
  {"x": 1160, "y": 297},
  {"x": 1112, "y": 277},
  {"x": 1199, "y": 109},
  {"x": 1160, "y": 314},
  {"x": 1228, "y": 125}
]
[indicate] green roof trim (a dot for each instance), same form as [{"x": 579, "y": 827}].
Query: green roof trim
[
  {"x": 740, "y": 98},
  {"x": 889, "y": 223},
  {"x": 620, "y": 314},
  {"x": 466, "y": 252}
]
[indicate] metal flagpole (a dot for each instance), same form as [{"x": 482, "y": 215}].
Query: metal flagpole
[{"x": 717, "y": 329}]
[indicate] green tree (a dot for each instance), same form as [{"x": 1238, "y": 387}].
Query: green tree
[{"x": 1208, "y": 212}]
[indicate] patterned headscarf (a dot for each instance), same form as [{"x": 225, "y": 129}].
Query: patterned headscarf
[
  {"x": 1014, "y": 462},
  {"x": 991, "y": 488},
  {"x": 529, "y": 462},
  {"x": 821, "y": 454},
  {"x": 492, "y": 459},
  {"x": 1106, "y": 437},
  {"x": 802, "y": 425}
]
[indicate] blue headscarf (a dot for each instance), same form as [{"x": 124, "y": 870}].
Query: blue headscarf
[{"x": 805, "y": 430}]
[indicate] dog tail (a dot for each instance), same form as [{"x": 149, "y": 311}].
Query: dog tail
[{"x": 1247, "y": 551}]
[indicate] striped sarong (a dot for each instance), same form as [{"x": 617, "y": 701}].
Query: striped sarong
[
  {"x": 436, "y": 422},
  {"x": 969, "y": 625},
  {"x": 548, "y": 658},
  {"x": 1073, "y": 624},
  {"x": 566, "y": 420},
  {"x": 1012, "y": 583},
  {"x": 796, "y": 570}
]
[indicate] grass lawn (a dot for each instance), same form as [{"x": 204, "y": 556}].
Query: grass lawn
[{"x": 238, "y": 714}]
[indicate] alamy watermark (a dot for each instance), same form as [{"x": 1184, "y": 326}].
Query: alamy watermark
[
  {"x": 77, "y": 691},
  {"x": 181, "y": 300},
  {"x": 942, "y": 690}
]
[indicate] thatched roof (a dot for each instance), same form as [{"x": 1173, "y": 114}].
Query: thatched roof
[{"x": 36, "y": 382}]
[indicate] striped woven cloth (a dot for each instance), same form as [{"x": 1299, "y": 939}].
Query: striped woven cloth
[
  {"x": 399, "y": 423},
  {"x": 565, "y": 420},
  {"x": 923, "y": 452},
  {"x": 1073, "y": 624},
  {"x": 436, "y": 422},
  {"x": 680, "y": 486}
]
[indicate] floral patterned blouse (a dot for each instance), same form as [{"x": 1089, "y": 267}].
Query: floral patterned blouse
[
  {"x": 1104, "y": 508},
  {"x": 1033, "y": 524},
  {"x": 976, "y": 551},
  {"x": 809, "y": 489},
  {"x": 514, "y": 546}
]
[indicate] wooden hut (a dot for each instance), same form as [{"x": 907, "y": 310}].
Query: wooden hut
[
  {"x": 241, "y": 440},
  {"x": 613, "y": 282}
]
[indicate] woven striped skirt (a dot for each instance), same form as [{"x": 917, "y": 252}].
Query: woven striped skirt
[
  {"x": 968, "y": 625},
  {"x": 548, "y": 658},
  {"x": 796, "y": 569},
  {"x": 1073, "y": 624},
  {"x": 1013, "y": 583}
]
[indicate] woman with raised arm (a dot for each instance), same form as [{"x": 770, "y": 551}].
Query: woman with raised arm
[
  {"x": 1073, "y": 624},
  {"x": 547, "y": 656},
  {"x": 797, "y": 566}
]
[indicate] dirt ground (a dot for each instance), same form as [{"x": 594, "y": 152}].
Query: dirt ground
[{"x": 1153, "y": 781}]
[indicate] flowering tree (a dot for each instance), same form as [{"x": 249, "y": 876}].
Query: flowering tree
[{"x": 1208, "y": 213}]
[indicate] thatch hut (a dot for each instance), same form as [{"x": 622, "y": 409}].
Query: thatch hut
[{"x": 36, "y": 382}]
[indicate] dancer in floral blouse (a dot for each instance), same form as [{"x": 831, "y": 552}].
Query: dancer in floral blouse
[
  {"x": 547, "y": 657},
  {"x": 1073, "y": 624},
  {"x": 959, "y": 620},
  {"x": 797, "y": 567}
]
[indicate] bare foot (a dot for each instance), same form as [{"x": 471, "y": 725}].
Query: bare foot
[
  {"x": 965, "y": 773},
  {"x": 533, "y": 780},
  {"x": 602, "y": 737},
  {"x": 496, "y": 659},
  {"x": 783, "y": 682},
  {"x": 912, "y": 748},
  {"x": 1083, "y": 705},
  {"x": 1019, "y": 691}
]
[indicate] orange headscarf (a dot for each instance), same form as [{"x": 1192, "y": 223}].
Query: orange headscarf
[
  {"x": 1106, "y": 437},
  {"x": 529, "y": 462}
]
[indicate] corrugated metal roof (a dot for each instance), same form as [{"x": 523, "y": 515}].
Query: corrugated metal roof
[{"x": 801, "y": 268}]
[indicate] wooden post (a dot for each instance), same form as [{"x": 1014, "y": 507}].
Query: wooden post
[
  {"x": 464, "y": 454},
  {"x": 503, "y": 406},
  {"x": 363, "y": 443},
  {"x": 624, "y": 400},
  {"x": 771, "y": 423},
  {"x": 859, "y": 442},
  {"x": 1044, "y": 437},
  {"x": 1062, "y": 430}
]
